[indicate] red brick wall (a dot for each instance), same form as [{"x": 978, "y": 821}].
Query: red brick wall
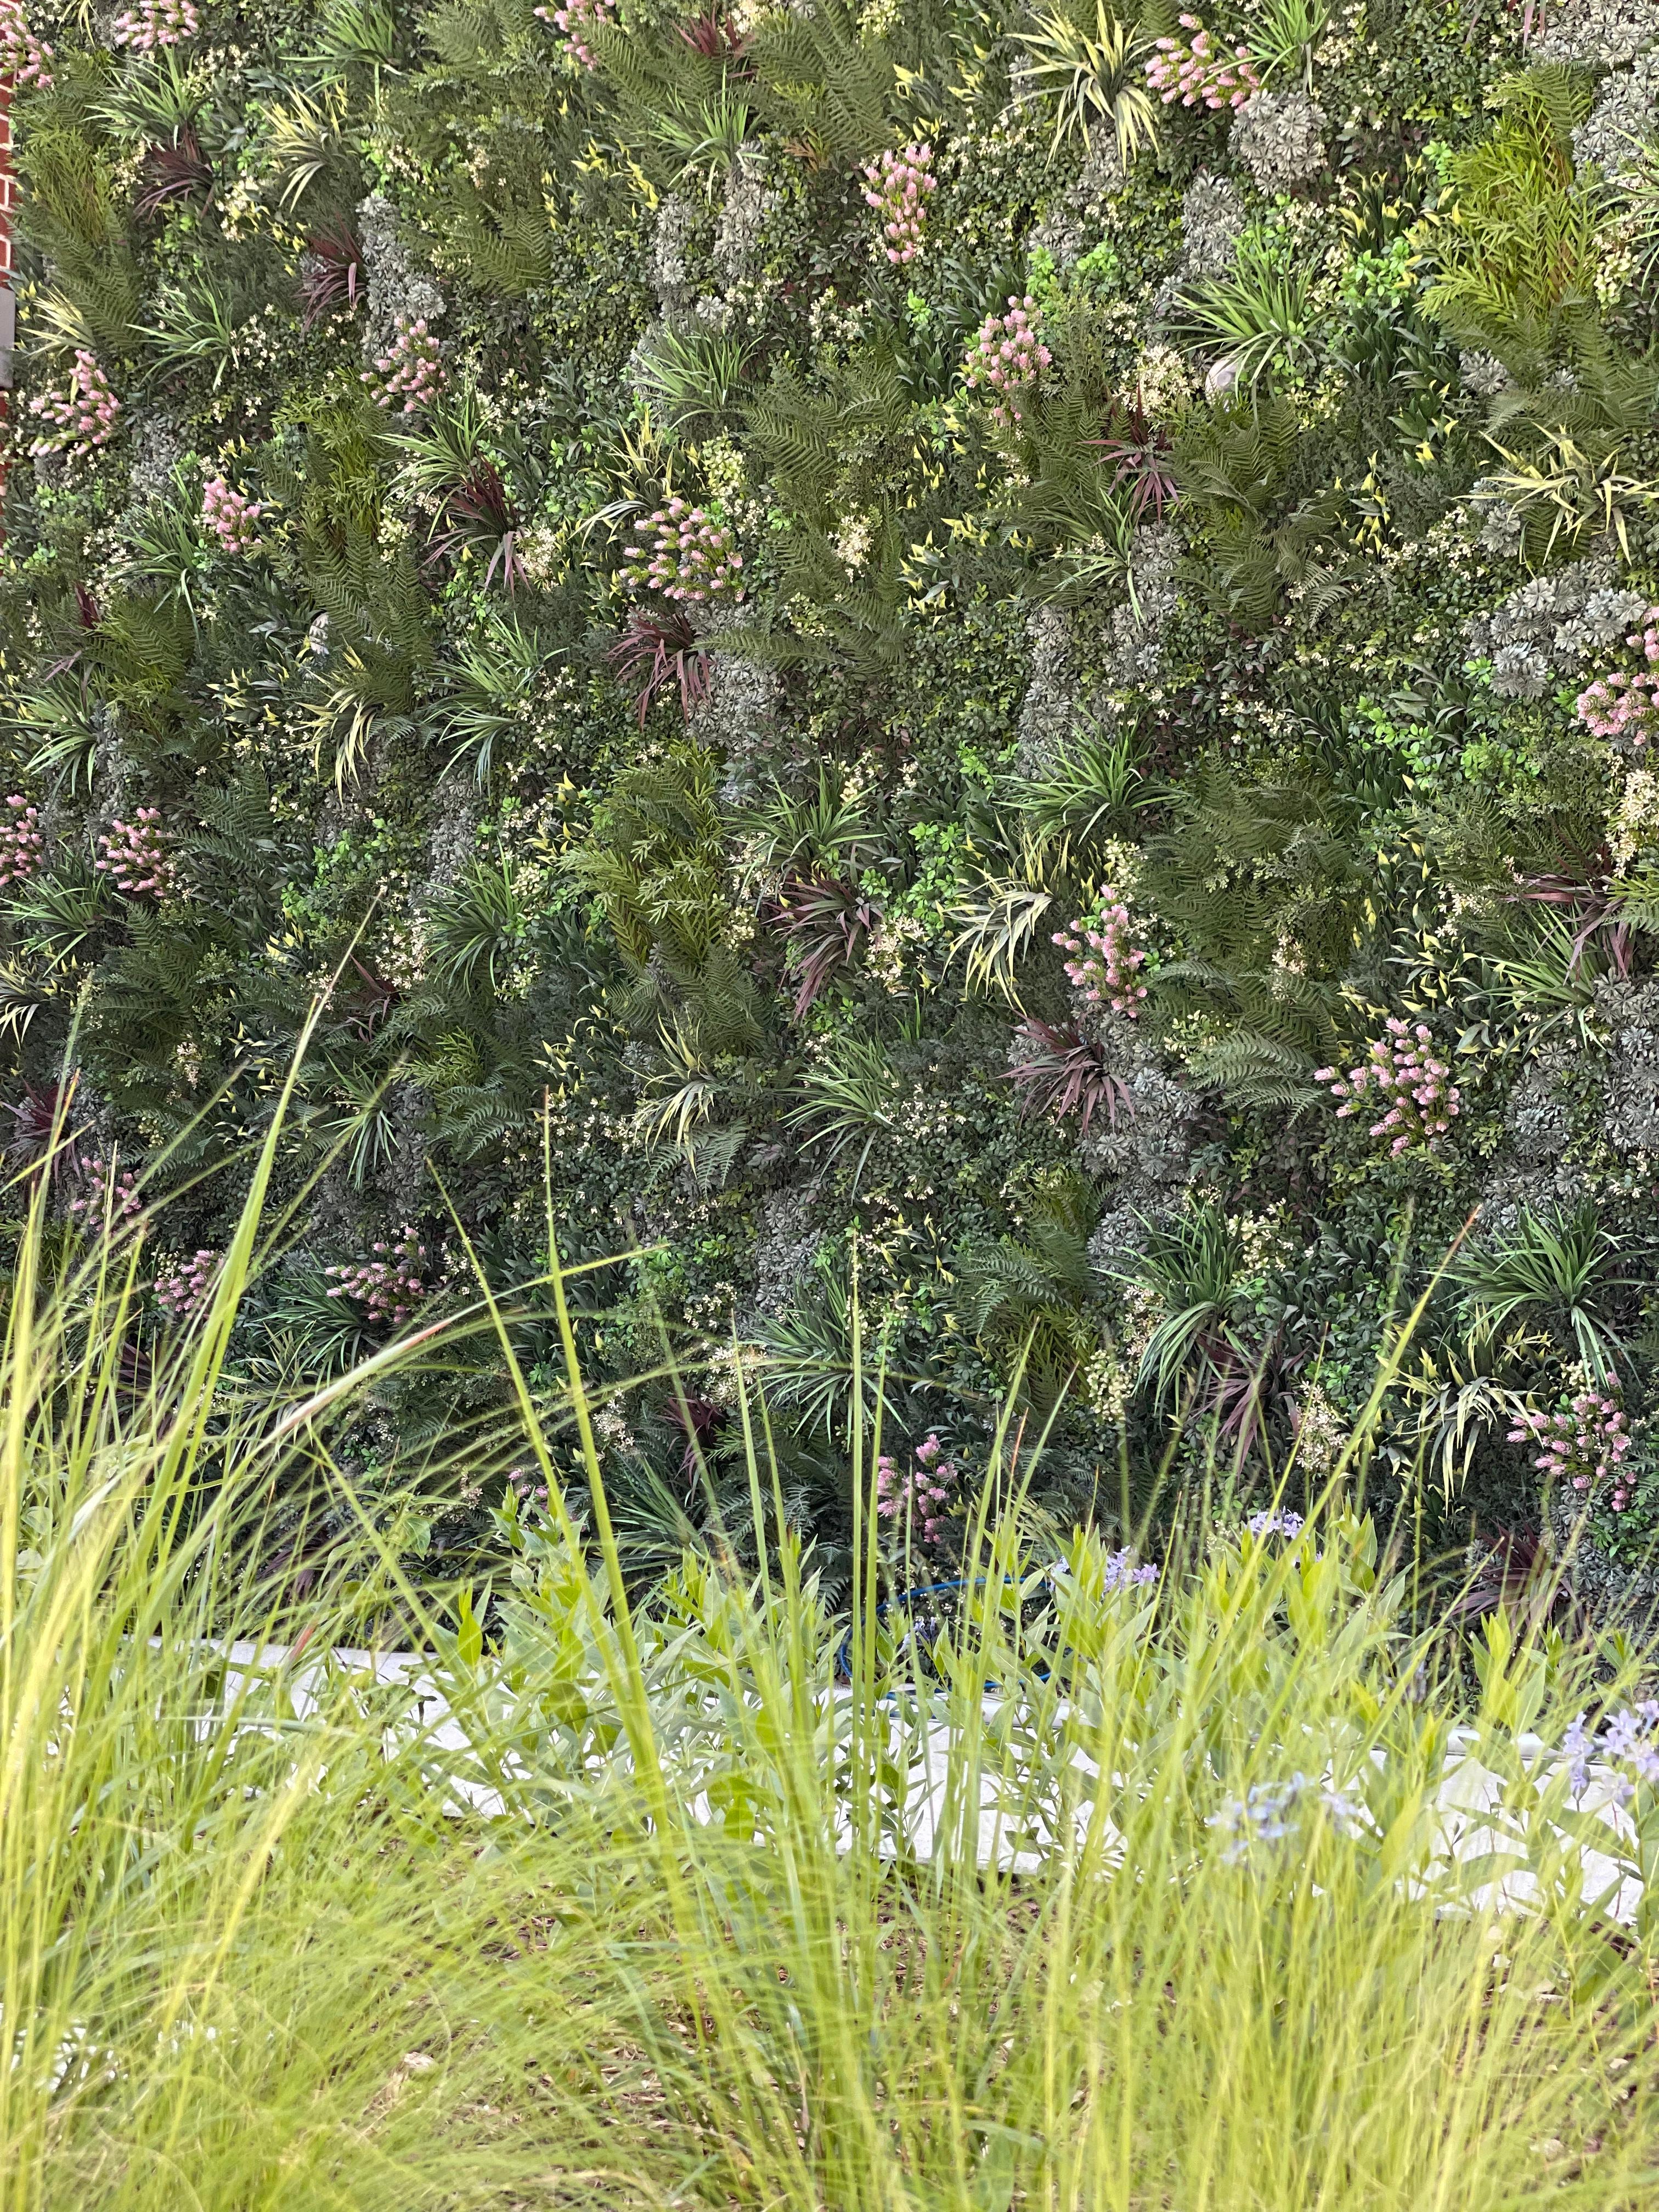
[
  {"x": 8, "y": 187},
  {"x": 6, "y": 181}
]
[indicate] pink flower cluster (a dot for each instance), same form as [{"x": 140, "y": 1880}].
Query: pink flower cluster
[
  {"x": 21, "y": 845},
  {"x": 154, "y": 23},
  {"x": 411, "y": 372},
  {"x": 388, "y": 1283},
  {"x": 1008, "y": 356},
  {"x": 521, "y": 1483},
  {"x": 24, "y": 58},
  {"x": 135, "y": 857},
  {"x": 230, "y": 515},
  {"x": 1104, "y": 958},
  {"x": 575, "y": 19},
  {"x": 686, "y": 554},
  {"x": 182, "y": 1289},
  {"x": 82, "y": 414},
  {"x": 924, "y": 1492},
  {"x": 1582, "y": 1442},
  {"x": 1420, "y": 1103},
  {"x": 899, "y": 187},
  {"x": 1200, "y": 74},
  {"x": 1624, "y": 706},
  {"x": 99, "y": 1181}
]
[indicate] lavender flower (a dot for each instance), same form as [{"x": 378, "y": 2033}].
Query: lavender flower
[
  {"x": 1576, "y": 1746},
  {"x": 22, "y": 847},
  {"x": 135, "y": 856},
  {"x": 1122, "y": 1573},
  {"x": 23, "y": 57},
  {"x": 155, "y": 23},
  {"x": 410, "y": 372},
  {"x": 685, "y": 553},
  {"x": 1271, "y": 1811},
  {"x": 82, "y": 416},
  {"x": 1275, "y": 1524},
  {"x": 575, "y": 19},
  {"x": 231, "y": 515},
  {"x": 1624, "y": 707},
  {"x": 1628, "y": 1741},
  {"x": 387, "y": 1284},
  {"x": 1584, "y": 1442},
  {"x": 925, "y": 1492},
  {"x": 1199, "y": 75},
  {"x": 102, "y": 1183},
  {"x": 184, "y": 1288}
]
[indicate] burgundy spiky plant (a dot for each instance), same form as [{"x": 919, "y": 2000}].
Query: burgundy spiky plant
[
  {"x": 480, "y": 513},
  {"x": 1059, "y": 1071},
  {"x": 826, "y": 922},
  {"x": 175, "y": 173},
  {"x": 331, "y": 273},
  {"x": 1138, "y": 451},
  {"x": 658, "y": 647}
]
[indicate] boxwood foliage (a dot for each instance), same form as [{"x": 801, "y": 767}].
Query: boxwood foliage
[{"x": 968, "y": 677}]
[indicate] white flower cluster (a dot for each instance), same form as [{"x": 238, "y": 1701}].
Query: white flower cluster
[
  {"x": 1551, "y": 623},
  {"x": 785, "y": 1248},
  {"x": 1280, "y": 137},
  {"x": 1046, "y": 712},
  {"x": 737, "y": 713},
  {"x": 1634, "y": 826},
  {"x": 1322, "y": 1433},
  {"x": 749, "y": 199},
  {"x": 1213, "y": 221},
  {"x": 667, "y": 262}
]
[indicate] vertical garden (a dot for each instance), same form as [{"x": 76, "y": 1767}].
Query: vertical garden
[{"x": 971, "y": 686}]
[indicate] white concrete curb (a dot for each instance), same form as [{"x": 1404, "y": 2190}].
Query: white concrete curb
[{"x": 1475, "y": 1808}]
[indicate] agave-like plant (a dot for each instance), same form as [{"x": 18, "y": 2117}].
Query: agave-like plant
[
  {"x": 1283, "y": 36},
  {"x": 1564, "y": 1268},
  {"x": 1096, "y": 76},
  {"x": 850, "y": 1096},
  {"x": 694, "y": 379},
  {"x": 711, "y": 141},
  {"x": 305, "y": 134},
  {"x": 1255, "y": 317}
]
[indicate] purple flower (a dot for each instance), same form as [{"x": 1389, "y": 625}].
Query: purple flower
[{"x": 1275, "y": 1524}]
